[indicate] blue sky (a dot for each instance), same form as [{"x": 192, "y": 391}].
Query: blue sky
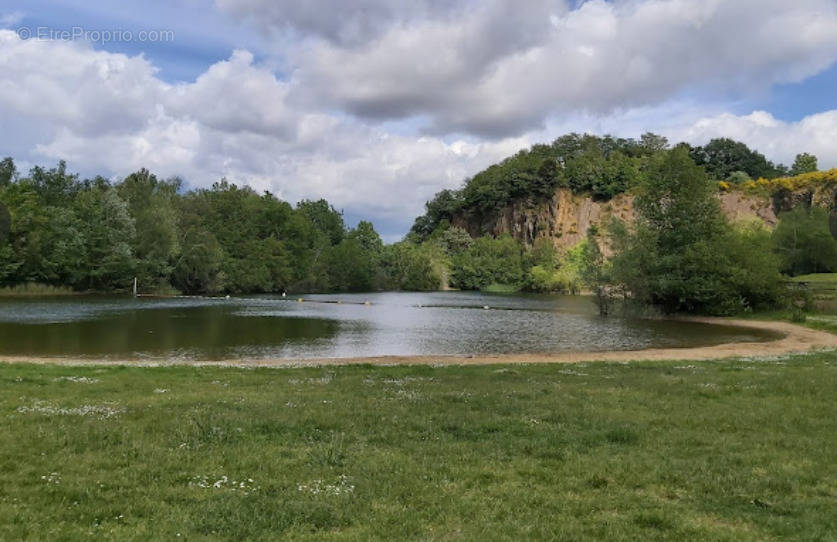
[{"x": 376, "y": 105}]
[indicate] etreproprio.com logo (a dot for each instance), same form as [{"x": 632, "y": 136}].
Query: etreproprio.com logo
[{"x": 100, "y": 36}]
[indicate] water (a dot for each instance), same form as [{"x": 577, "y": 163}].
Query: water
[{"x": 259, "y": 327}]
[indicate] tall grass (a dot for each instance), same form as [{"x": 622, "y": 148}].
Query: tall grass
[{"x": 34, "y": 289}]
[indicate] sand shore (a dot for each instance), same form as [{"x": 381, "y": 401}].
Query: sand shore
[{"x": 793, "y": 339}]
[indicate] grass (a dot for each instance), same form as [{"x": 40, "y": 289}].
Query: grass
[
  {"x": 822, "y": 289},
  {"x": 730, "y": 450},
  {"x": 497, "y": 288},
  {"x": 824, "y": 278},
  {"x": 34, "y": 289}
]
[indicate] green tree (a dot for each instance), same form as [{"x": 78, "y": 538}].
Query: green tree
[
  {"x": 152, "y": 205},
  {"x": 350, "y": 267},
  {"x": 198, "y": 269},
  {"x": 5, "y": 223},
  {"x": 488, "y": 261},
  {"x": 108, "y": 232},
  {"x": 407, "y": 266},
  {"x": 8, "y": 171},
  {"x": 723, "y": 156},
  {"x": 681, "y": 255},
  {"x": 804, "y": 242},
  {"x": 804, "y": 163},
  {"x": 368, "y": 238},
  {"x": 324, "y": 218},
  {"x": 594, "y": 272}
]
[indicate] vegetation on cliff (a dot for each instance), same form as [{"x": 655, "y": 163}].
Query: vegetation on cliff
[
  {"x": 680, "y": 254},
  {"x": 603, "y": 167}
]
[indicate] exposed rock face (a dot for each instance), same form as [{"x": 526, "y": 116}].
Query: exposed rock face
[
  {"x": 565, "y": 217},
  {"x": 738, "y": 207}
]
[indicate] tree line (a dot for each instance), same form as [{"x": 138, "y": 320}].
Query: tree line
[{"x": 97, "y": 235}]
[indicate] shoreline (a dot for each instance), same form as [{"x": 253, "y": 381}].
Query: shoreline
[{"x": 795, "y": 339}]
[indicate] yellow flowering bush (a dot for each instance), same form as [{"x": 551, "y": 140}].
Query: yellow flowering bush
[{"x": 797, "y": 182}]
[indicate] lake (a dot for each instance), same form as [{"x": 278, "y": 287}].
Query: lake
[{"x": 329, "y": 326}]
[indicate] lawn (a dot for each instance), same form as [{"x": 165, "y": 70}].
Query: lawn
[{"x": 727, "y": 450}]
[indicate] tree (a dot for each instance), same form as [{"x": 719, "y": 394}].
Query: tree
[
  {"x": 443, "y": 206},
  {"x": 652, "y": 143},
  {"x": 5, "y": 223},
  {"x": 804, "y": 163},
  {"x": 350, "y": 267},
  {"x": 108, "y": 232},
  {"x": 721, "y": 157},
  {"x": 54, "y": 186},
  {"x": 324, "y": 218},
  {"x": 454, "y": 240},
  {"x": 803, "y": 241},
  {"x": 407, "y": 266},
  {"x": 594, "y": 272},
  {"x": 8, "y": 171},
  {"x": 682, "y": 255},
  {"x": 488, "y": 261},
  {"x": 198, "y": 266},
  {"x": 368, "y": 238},
  {"x": 152, "y": 205}
]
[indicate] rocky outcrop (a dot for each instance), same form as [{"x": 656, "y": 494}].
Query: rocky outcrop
[{"x": 565, "y": 217}]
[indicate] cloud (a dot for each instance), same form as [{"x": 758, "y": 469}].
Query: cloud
[
  {"x": 233, "y": 121},
  {"x": 503, "y": 70},
  {"x": 11, "y": 19},
  {"x": 343, "y": 23},
  {"x": 780, "y": 141}
]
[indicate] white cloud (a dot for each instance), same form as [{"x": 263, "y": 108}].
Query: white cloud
[
  {"x": 11, "y": 19},
  {"x": 344, "y": 23},
  {"x": 502, "y": 70},
  {"x": 778, "y": 140}
]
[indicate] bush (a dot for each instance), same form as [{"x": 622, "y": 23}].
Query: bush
[
  {"x": 804, "y": 242},
  {"x": 488, "y": 261}
]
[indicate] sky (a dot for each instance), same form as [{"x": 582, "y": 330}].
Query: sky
[{"x": 376, "y": 105}]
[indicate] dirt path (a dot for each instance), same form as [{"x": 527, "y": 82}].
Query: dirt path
[{"x": 795, "y": 339}]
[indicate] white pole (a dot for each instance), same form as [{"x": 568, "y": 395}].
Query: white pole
[{"x": 135, "y": 286}]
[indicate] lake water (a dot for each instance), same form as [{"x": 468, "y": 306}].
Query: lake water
[{"x": 391, "y": 324}]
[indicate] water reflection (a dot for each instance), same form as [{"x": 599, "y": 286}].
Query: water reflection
[{"x": 392, "y": 324}]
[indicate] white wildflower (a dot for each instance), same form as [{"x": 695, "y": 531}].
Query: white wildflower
[
  {"x": 318, "y": 487},
  {"x": 76, "y": 379},
  {"x": 225, "y": 483},
  {"x": 102, "y": 411}
]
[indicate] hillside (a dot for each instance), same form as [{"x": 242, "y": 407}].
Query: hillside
[{"x": 558, "y": 191}]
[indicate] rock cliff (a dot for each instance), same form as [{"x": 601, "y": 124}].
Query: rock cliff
[{"x": 565, "y": 217}]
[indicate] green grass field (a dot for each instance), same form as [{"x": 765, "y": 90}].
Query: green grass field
[
  {"x": 822, "y": 288},
  {"x": 729, "y": 450}
]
